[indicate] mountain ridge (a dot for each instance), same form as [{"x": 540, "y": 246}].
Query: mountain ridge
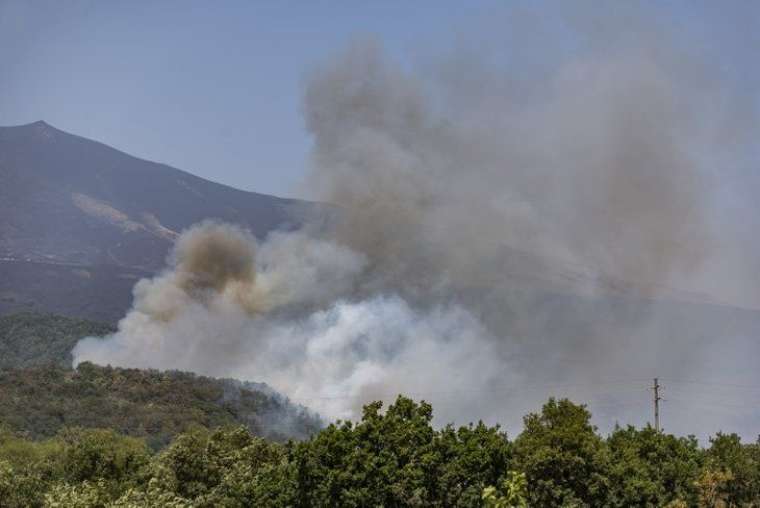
[
  {"x": 43, "y": 167},
  {"x": 46, "y": 129},
  {"x": 81, "y": 221}
]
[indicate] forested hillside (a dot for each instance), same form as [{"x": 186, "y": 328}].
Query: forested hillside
[
  {"x": 40, "y": 393},
  {"x": 392, "y": 458},
  {"x": 39, "y": 401},
  {"x": 31, "y": 339}
]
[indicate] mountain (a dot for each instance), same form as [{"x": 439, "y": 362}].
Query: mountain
[{"x": 80, "y": 221}]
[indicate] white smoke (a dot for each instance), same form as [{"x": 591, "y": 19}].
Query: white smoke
[{"x": 229, "y": 308}]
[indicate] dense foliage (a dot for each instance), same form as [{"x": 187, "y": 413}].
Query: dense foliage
[
  {"x": 153, "y": 405},
  {"x": 29, "y": 339},
  {"x": 391, "y": 458}
]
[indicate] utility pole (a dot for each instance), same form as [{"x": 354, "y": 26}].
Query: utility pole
[{"x": 657, "y": 400}]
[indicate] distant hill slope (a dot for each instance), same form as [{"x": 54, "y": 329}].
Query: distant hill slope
[
  {"x": 155, "y": 405},
  {"x": 40, "y": 393},
  {"x": 30, "y": 339},
  {"x": 98, "y": 292},
  {"x": 80, "y": 221}
]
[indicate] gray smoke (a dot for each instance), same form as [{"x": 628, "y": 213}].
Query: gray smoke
[
  {"x": 282, "y": 311},
  {"x": 597, "y": 170},
  {"x": 503, "y": 236}
]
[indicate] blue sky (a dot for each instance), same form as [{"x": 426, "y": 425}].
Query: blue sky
[{"x": 214, "y": 87}]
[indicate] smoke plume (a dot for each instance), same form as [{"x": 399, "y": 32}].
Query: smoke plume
[
  {"x": 282, "y": 311},
  {"x": 501, "y": 236}
]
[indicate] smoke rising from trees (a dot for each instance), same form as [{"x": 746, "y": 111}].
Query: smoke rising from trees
[{"x": 496, "y": 230}]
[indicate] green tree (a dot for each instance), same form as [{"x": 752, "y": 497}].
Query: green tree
[
  {"x": 740, "y": 465},
  {"x": 226, "y": 467},
  {"x": 713, "y": 489},
  {"x": 514, "y": 493},
  {"x": 650, "y": 468},
  {"x": 564, "y": 460},
  {"x": 81, "y": 495},
  {"x": 468, "y": 459},
  {"x": 152, "y": 496},
  {"x": 398, "y": 459},
  {"x": 27, "y": 469},
  {"x": 100, "y": 454}
]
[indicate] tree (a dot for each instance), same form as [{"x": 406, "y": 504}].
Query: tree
[
  {"x": 564, "y": 460},
  {"x": 467, "y": 460},
  {"x": 226, "y": 467},
  {"x": 398, "y": 459},
  {"x": 97, "y": 454},
  {"x": 713, "y": 489},
  {"x": 514, "y": 493},
  {"x": 80, "y": 495},
  {"x": 740, "y": 468},
  {"x": 650, "y": 468}
]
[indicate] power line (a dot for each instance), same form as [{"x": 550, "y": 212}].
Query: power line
[
  {"x": 633, "y": 386},
  {"x": 610, "y": 387},
  {"x": 709, "y": 383}
]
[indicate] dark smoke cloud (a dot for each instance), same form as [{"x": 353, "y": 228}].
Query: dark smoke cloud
[{"x": 206, "y": 260}]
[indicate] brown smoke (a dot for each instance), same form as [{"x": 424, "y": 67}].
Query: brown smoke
[
  {"x": 208, "y": 260},
  {"x": 217, "y": 258},
  {"x": 213, "y": 256}
]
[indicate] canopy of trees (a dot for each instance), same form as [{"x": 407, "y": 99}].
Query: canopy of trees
[
  {"x": 390, "y": 458},
  {"x": 39, "y": 401},
  {"x": 30, "y": 339}
]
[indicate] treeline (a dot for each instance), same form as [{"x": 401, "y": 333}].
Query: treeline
[{"x": 391, "y": 458}]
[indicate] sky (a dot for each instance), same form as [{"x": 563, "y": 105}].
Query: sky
[
  {"x": 215, "y": 88},
  {"x": 210, "y": 88}
]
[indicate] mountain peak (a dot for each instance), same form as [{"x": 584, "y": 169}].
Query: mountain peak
[
  {"x": 44, "y": 129},
  {"x": 37, "y": 124},
  {"x": 38, "y": 128}
]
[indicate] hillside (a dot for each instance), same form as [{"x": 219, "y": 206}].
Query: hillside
[
  {"x": 40, "y": 401},
  {"x": 81, "y": 221},
  {"x": 40, "y": 393},
  {"x": 31, "y": 340}
]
